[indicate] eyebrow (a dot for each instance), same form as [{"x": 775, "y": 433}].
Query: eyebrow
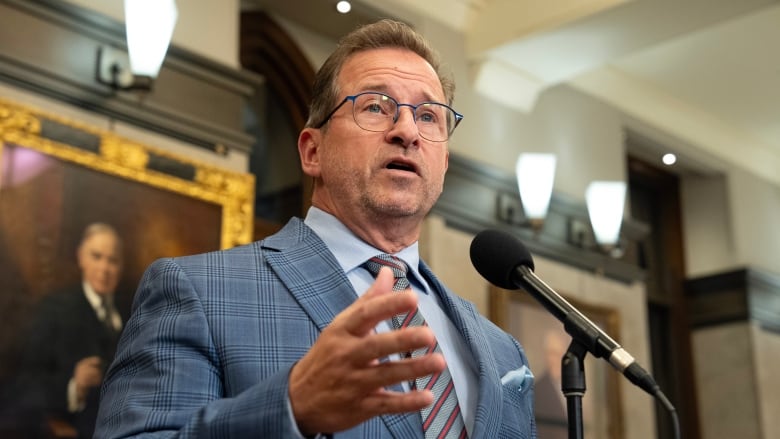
[{"x": 384, "y": 89}]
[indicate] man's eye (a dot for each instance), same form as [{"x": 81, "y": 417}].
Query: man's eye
[
  {"x": 373, "y": 108},
  {"x": 426, "y": 117}
]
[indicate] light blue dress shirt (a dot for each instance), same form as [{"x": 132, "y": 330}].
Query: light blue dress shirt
[{"x": 351, "y": 252}]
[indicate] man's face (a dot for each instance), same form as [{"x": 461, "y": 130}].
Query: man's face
[
  {"x": 100, "y": 262},
  {"x": 392, "y": 174}
]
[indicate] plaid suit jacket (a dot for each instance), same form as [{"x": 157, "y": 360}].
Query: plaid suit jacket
[{"x": 212, "y": 338}]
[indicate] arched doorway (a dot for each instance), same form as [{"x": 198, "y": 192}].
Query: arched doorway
[{"x": 275, "y": 116}]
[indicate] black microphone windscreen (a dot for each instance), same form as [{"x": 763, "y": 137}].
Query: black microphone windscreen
[{"x": 496, "y": 254}]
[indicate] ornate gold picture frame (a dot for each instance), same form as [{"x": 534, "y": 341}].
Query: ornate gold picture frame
[
  {"x": 120, "y": 157},
  {"x": 58, "y": 175}
]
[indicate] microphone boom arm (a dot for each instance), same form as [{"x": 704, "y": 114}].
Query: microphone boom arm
[{"x": 580, "y": 328}]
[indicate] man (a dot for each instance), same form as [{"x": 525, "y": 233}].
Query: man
[
  {"x": 292, "y": 336},
  {"x": 73, "y": 338}
]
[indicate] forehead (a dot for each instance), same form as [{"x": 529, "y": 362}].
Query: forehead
[
  {"x": 393, "y": 70},
  {"x": 101, "y": 240}
]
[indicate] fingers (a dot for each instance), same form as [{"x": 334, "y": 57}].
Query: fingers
[
  {"x": 88, "y": 372},
  {"x": 340, "y": 382},
  {"x": 88, "y": 365},
  {"x": 379, "y": 303},
  {"x": 363, "y": 396},
  {"x": 93, "y": 361},
  {"x": 375, "y": 346},
  {"x": 389, "y": 373}
]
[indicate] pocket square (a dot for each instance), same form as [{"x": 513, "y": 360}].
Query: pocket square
[{"x": 520, "y": 378}]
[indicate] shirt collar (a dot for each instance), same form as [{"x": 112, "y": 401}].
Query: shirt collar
[
  {"x": 351, "y": 251},
  {"x": 93, "y": 297}
]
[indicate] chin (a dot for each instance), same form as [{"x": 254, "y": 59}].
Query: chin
[
  {"x": 401, "y": 210},
  {"x": 103, "y": 291},
  {"x": 407, "y": 203}
]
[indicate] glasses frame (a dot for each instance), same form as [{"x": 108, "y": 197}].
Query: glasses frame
[{"x": 398, "y": 105}]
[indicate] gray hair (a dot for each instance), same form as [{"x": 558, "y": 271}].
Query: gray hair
[
  {"x": 97, "y": 228},
  {"x": 382, "y": 34}
]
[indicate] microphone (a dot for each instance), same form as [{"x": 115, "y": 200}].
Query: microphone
[{"x": 505, "y": 262}]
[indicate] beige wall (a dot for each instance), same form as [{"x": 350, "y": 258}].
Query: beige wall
[
  {"x": 707, "y": 224},
  {"x": 206, "y": 27},
  {"x": 755, "y": 215},
  {"x": 737, "y": 381},
  {"x": 730, "y": 220},
  {"x": 767, "y": 357}
]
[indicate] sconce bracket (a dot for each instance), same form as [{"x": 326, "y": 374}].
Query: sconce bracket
[
  {"x": 113, "y": 69},
  {"x": 510, "y": 209},
  {"x": 579, "y": 233}
]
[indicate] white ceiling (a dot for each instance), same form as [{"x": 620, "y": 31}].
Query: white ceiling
[{"x": 700, "y": 76}]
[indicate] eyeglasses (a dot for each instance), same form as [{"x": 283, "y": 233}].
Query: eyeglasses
[{"x": 378, "y": 112}]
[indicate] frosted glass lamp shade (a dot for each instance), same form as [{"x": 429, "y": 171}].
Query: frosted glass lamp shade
[
  {"x": 535, "y": 176},
  {"x": 149, "y": 26},
  {"x": 605, "y": 200}
]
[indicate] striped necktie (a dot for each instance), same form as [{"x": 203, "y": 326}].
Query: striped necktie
[
  {"x": 108, "y": 314},
  {"x": 442, "y": 419}
]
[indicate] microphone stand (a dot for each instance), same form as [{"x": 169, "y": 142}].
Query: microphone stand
[{"x": 573, "y": 385}]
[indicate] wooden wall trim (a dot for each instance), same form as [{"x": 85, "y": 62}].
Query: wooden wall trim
[{"x": 745, "y": 294}]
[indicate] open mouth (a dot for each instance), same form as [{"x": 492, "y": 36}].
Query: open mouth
[{"x": 402, "y": 165}]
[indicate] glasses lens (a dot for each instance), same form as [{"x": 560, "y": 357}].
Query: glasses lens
[
  {"x": 374, "y": 111},
  {"x": 434, "y": 121}
]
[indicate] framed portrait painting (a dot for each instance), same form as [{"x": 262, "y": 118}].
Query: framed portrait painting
[
  {"x": 545, "y": 343},
  {"x": 57, "y": 176}
]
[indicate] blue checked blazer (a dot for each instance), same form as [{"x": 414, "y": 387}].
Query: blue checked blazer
[{"x": 212, "y": 338}]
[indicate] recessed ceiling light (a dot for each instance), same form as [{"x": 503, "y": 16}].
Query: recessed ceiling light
[
  {"x": 343, "y": 7},
  {"x": 669, "y": 159}
]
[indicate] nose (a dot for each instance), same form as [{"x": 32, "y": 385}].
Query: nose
[
  {"x": 103, "y": 264},
  {"x": 404, "y": 131}
]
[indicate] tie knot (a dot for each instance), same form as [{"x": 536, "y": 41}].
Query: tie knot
[{"x": 398, "y": 266}]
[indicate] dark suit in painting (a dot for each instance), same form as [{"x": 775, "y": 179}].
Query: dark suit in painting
[
  {"x": 550, "y": 409},
  {"x": 65, "y": 330}
]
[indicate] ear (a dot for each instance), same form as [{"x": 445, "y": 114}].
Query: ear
[
  {"x": 81, "y": 255},
  {"x": 308, "y": 149}
]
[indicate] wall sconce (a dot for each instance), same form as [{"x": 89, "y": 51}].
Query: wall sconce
[
  {"x": 605, "y": 200},
  {"x": 149, "y": 25},
  {"x": 535, "y": 177}
]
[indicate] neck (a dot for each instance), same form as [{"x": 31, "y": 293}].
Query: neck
[
  {"x": 390, "y": 236},
  {"x": 384, "y": 232}
]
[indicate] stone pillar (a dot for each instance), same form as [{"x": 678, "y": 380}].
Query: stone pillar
[{"x": 736, "y": 343}]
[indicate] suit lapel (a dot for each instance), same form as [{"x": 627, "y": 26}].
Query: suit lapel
[
  {"x": 465, "y": 318},
  {"x": 310, "y": 271}
]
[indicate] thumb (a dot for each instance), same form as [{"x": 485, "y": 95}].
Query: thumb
[{"x": 383, "y": 284}]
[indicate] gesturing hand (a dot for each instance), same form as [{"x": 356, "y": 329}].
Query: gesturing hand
[
  {"x": 87, "y": 374},
  {"x": 340, "y": 382}
]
